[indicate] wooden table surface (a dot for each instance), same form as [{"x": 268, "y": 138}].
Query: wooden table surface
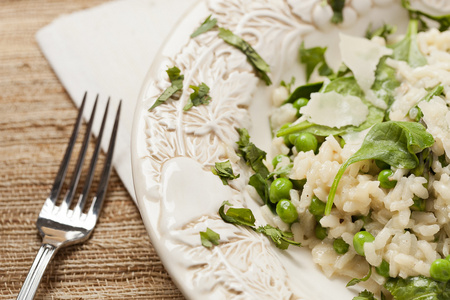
[{"x": 36, "y": 118}]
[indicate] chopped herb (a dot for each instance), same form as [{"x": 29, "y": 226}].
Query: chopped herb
[
  {"x": 385, "y": 82},
  {"x": 314, "y": 58},
  {"x": 244, "y": 217},
  {"x": 365, "y": 295},
  {"x": 260, "y": 66},
  {"x": 198, "y": 97},
  {"x": 177, "y": 84},
  {"x": 288, "y": 85},
  {"x": 415, "y": 113},
  {"x": 419, "y": 287},
  {"x": 395, "y": 143},
  {"x": 225, "y": 171},
  {"x": 358, "y": 280},
  {"x": 261, "y": 186},
  {"x": 209, "y": 238},
  {"x": 205, "y": 26},
  {"x": 281, "y": 239},
  {"x": 251, "y": 154},
  {"x": 337, "y": 6},
  {"x": 444, "y": 20},
  {"x": 382, "y": 31},
  {"x": 237, "y": 216}
]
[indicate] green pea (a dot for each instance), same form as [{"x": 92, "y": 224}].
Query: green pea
[
  {"x": 286, "y": 137},
  {"x": 340, "y": 246},
  {"x": 279, "y": 189},
  {"x": 381, "y": 164},
  {"x": 383, "y": 269},
  {"x": 419, "y": 204},
  {"x": 305, "y": 142},
  {"x": 317, "y": 207},
  {"x": 287, "y": 211},
  {"x": 321, "y": 232},
  {"x": 383, "y": 178},
  {"x": 359, "y": 239},
  {"x": 299, "y": 103},
  {"x": 440, "y": 270},
  {"x": 277, "y": 159},
  {"x": 292, "y": 137}
]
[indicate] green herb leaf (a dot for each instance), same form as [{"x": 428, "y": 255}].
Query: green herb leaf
[
  {"x": 261, "y": 186},
  {"x": 407, "y": 49},
  {"x": 237, "y": 216},
  {"x": 282, "y": 171},
  {"x": 177, "y": 84},
  {"x": 251, "y": 154},
  {"x": 444, "y": 20},
  {"x": 312, "y": 58},
  {"x": 337, "y": 6},
  {"x": 208, "y": 24},
  {"x": 358, "y": 280},
  {"x": 260, "y": 66},
  {"x": 288, "y": 85},
  {"x": 395, "y": 143},
  {"x": 383, "y": 31},
  {"x": 198, "y": 97},
  {"x": 225, "y": 171},
  {"x": 209, "y": 238},
  {"x": 365, "y": 295},
  {"x": 281, "y": 239},
  {"x": 419, "y": 287},
  {"x": 304, "y": 91}
]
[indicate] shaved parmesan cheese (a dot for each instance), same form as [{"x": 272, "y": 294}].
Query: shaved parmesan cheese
[
  {"x": 335, "y": 110},
  {"x": 362, "y": 57}
]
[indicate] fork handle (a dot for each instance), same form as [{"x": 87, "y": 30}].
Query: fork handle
[{"x": 34, "y": 277}]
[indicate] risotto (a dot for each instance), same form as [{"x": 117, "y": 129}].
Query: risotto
[{"x": 383, "y": 212}]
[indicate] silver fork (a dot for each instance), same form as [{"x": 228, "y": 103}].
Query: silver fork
[{"x": 60, "y": 226}]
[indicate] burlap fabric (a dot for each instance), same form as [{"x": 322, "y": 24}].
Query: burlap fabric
[{"x": 36, "y": 117}]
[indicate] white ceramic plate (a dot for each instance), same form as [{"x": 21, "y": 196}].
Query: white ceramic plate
[{"x": 173, "y": 151}]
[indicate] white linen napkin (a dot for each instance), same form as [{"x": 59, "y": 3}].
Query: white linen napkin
[{"x": 107, "y": 50}]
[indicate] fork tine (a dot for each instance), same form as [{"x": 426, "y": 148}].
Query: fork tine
[
  {"x": 90, "y": 176},
  {"x": 59, "y": 180},
  {"x": 79, "y": 165},
  {"x": 97, "y": 203}
]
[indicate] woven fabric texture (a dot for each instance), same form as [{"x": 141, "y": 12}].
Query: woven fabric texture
[{"x": 36, "y": 118}]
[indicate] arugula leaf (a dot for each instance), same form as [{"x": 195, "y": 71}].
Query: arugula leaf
[
  {"x": 385, "y": 82},
  {"x": 358, "y": 280},
  {"x": 252, "y": 155},
  {"x": 407, "y": 49},
  {"x": 281, "y": 239},
  {"x": 365, "y": 295},
  {"x": 343, "y": 86},
  {"x": 416, "y": 113},
  {"x": 337, "y": 6},
  {"x": 225, "y": 171},
  {"x": 395, "y": 143},
  {"x": 382, "y": 31},
  {"x": 198, "y": 97},
  {"x": 418, "y": 288},
  {"x": 304, "y": 91},
  {"x": 444, "y": 20},
  {"x": 177, "y": 84},
  {"x": 205, "y": 26},
  {"x": 209, "y": 238},
  {"x": 260, "y": 66},
  {"x": 312, "y": 58},
  {"x": 237, "y": 216}
]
